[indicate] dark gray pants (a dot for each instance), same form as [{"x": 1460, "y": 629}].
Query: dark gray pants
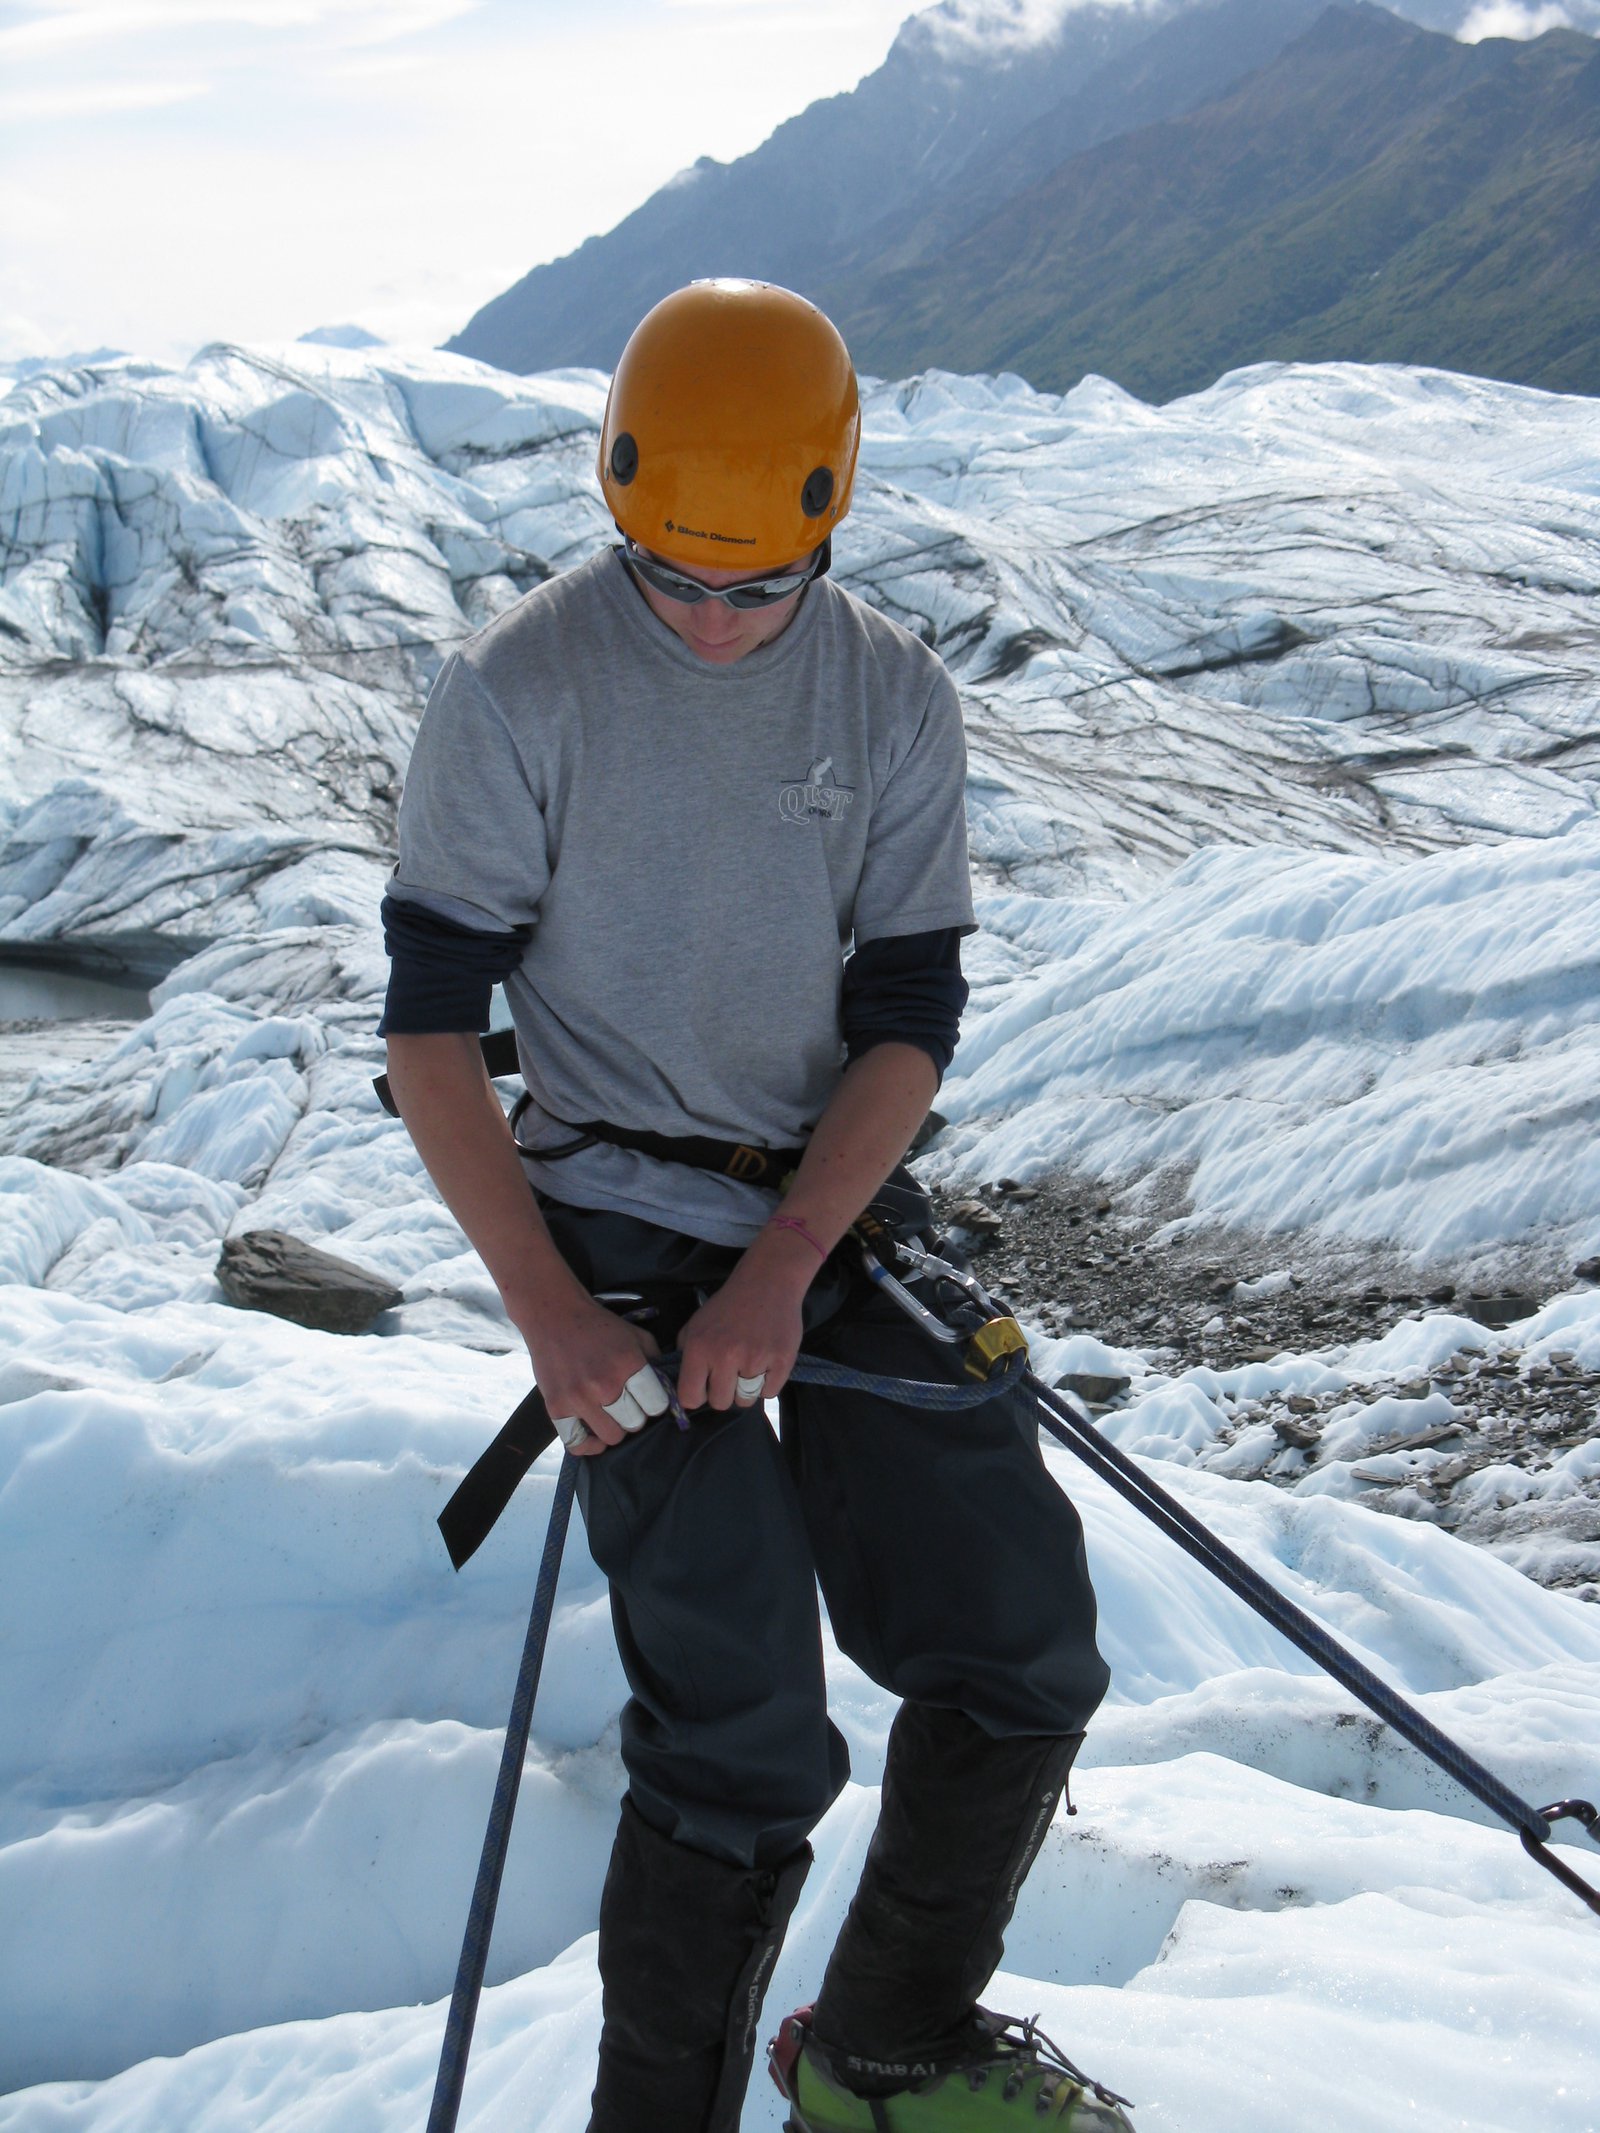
[{"x": 952, "y": 1565}]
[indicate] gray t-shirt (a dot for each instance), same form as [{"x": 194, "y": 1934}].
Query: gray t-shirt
[{"x": 695, "y": 847}]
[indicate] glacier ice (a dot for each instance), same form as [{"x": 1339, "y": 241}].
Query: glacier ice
[{"x": 1284, "y": 765}]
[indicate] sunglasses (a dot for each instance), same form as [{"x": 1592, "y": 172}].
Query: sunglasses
[{"x": 754, "y": 592}]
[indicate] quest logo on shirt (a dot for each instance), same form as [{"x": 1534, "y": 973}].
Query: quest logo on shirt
[{"x": 815, "y": 798}]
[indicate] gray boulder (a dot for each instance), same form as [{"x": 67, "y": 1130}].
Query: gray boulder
[{"x": 267, "y": 1270}]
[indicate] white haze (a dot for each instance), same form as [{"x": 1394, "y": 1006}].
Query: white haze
[
  {"x": 1506, "y": 18},
  {"x": 337, "y": 159},
  {"x": 965, "y": 27}
]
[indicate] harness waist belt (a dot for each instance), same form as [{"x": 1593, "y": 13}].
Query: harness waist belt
[
  {"x": 729, "y": 1159},
  {"x": 701, "y": 1151}
]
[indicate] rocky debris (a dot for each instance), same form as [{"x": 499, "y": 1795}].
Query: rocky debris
[
  {"x": 1497, "y": 1311},
  {"x": 1295, "y": 1434},
  {"x": 1092, "y": 1391},
  {"x": 1063, "y": 1255},
  {"x": 973, "y": 1218},
  {"x": 268, "y": 1270},
  {"x": 1076, "y": 1260},
  {"x": 1484, "y": 1474}
]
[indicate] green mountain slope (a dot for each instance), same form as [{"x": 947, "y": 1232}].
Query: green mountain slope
[
  {"x": 1375, "y": 192},
  {"x": 929, "y": 121}
]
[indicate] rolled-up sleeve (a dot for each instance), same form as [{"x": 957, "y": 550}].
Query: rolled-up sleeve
[
  {"x": 442, "y": 973},
  {"x": 463, "y": 901},
  {"x": 906, "y": 989}
]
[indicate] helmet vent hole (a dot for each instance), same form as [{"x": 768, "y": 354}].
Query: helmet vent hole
[
  {"x": 625, "y": 460},
  {"x": 818, "y": 492}
]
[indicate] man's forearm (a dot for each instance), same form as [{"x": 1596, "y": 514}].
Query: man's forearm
[
  {"x": 454, "y": 1118},
  {"x": 868, "y": 1125},
  {"x": 583, "y": 1356},
  {"x": 752, "y": 1326},
  {"x": 750, "y": 1329}
]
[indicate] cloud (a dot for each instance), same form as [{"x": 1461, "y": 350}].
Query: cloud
[
  {"x": 1510, "y": 18},
  {"x": 325, "y": 179},
  {"x": 58, "y": 25},
  {"x": 93, "y": 99},
  {"x": 1000, "y": 26}
]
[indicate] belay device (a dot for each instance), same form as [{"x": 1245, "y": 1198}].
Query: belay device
[{"x": 994, "y": 1359}]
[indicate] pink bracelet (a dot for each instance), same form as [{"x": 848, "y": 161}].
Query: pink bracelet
[{"x": 797, "y": 1224}]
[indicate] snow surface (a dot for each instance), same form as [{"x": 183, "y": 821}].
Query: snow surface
[
  {"x": 1335, "y": 1044},
  {"x": 1284, "y": 773}
]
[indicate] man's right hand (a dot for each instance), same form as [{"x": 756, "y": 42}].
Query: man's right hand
[
  {"x": 593, "y": 1369},
  {"x": 584, "y": 1356}
]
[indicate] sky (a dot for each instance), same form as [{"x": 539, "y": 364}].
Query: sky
[{"x": 178, "y": 171}]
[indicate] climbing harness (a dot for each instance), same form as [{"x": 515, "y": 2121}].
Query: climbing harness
[
  {"x": 745, "y": 1161},
  {"x": 490, "y": 1483}
]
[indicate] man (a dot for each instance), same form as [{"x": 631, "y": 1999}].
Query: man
[{"x": 701, "y": 811}]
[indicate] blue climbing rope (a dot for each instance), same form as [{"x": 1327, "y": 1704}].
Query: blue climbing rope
[
  {"x": 496, "y": 1838},
  {"x": 1072, "y": 1428}
]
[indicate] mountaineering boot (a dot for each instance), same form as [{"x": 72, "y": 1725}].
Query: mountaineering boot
[
  {"x": 896, "y": 2038},
  {"x": 687, "y": 1948},
  {"x": 1009, "y": 2076},
  {"x": 962, "y": 1818}
]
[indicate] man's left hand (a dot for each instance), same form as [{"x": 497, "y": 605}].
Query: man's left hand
[{"x": 740, "y": 1346}]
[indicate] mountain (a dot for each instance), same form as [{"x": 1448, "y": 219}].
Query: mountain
[
  {"x": 342, "y": 337},
  {"x": 1375, "y": 191},
  {"x": 962, "y": 114},
  {"x": 1155, "y": 192},
  {"x": 1180, "y": 61}
]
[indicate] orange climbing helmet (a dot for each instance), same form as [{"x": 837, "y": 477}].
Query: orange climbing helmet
[{"x": 731, "y": 428}]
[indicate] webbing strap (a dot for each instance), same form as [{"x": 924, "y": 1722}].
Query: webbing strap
[
  {"x": 492, "y": 1480},
  {"x": 743, "y": 1160}
]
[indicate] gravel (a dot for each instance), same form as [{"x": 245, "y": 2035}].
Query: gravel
[{"x": 1065, "y": 1256}]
